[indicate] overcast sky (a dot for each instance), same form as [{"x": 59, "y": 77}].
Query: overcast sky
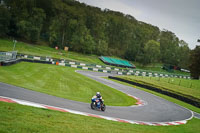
[{"x": 179, "y": 16}]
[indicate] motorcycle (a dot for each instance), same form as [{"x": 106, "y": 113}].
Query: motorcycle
[{"x": 96, "y": 104}]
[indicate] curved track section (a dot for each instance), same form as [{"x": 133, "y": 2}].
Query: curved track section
[{"x": 156, "y": 109}]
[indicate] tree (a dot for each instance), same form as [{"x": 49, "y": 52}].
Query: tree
[
  {"x": 195, "y": 63},
  {"x": 169, "y": 44},
  {"x": 151, "y": 52},
  {"x": 102, "y": 47},
  {"x": 88, "y": 29},
  {"x": 96, "y": 23},
  {"x": 183, "y": 54},
  {"x": 82, "y": 41},
  {"x": 132, "y": 50},
  {"x": 58, "y": 29},
  {"x": 4, "y": 20},
  {"x": 30, "y": 28}
]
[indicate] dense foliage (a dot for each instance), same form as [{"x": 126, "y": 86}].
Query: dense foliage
[
  {"x": 195, "y": 63},
  {"x": 91, "y": 30}
]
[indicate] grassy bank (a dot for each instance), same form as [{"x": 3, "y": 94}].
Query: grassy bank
[
  {"x": 39, "y": 50},
  {"x": 157, "y": 67},
  {"x": 61, "y": 82},
  {"x": 19, "y": 118},
  {"x": 183, "y": 86}
]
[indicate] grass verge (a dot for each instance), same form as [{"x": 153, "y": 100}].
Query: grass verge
[
  {"x": 20, "y": 118},
  {"x": 61, "y": 82},
  {"x": 167, "y": 85},
  {"x": 192, "y": 86}
]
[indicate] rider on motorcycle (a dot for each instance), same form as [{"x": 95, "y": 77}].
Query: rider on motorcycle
[
  {"x": 98, "y": 95},
  {"x": 97, "y": 102}
]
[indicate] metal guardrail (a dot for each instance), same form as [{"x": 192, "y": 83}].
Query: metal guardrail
[{"x": 7, "y": 56}]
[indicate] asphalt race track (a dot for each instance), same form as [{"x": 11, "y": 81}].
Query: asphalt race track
[{"x": 155, "y": 109}]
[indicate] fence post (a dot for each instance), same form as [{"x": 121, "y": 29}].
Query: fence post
[
  {"x": 14, "y": 41},
  {"x": 179, "y": 82}
]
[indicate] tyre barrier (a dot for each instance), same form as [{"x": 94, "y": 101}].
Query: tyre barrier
[
  {"x": 185, "y": 98},
  {"x": 11, "y": 62}
]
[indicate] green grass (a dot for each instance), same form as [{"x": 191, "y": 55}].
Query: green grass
[
  {"x": 186, "y": 105},
  {"x": 22, "y": 119},
  {"x": 157, "y": 67},
  {"x": 42, "y": 50},
  {"x": 184, "y": 86},
  {"x": 61, "y": 82}
]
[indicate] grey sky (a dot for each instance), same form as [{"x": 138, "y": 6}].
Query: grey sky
[{"x": 179, "y": 16}]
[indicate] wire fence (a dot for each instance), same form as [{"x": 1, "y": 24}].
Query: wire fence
[{"x": 174, "y": 81}]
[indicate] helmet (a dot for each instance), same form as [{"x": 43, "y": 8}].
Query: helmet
[{"x": 98, "y": 94}]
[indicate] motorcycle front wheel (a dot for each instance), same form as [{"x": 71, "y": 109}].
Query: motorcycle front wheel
[
  {"x": 93, "y": 105},
  {"x": 103, "y": 107}
]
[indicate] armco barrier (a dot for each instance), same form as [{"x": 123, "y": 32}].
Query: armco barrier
[
  {"x": 185, "y": 98},
  {"x": 8, "y": 63},
  {"x": 36, "y": 61}
]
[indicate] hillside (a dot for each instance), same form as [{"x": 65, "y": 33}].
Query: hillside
[{"x": 90, "y": 30}]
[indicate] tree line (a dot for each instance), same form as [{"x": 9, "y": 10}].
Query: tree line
[{"x": 91, "y": 30}]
